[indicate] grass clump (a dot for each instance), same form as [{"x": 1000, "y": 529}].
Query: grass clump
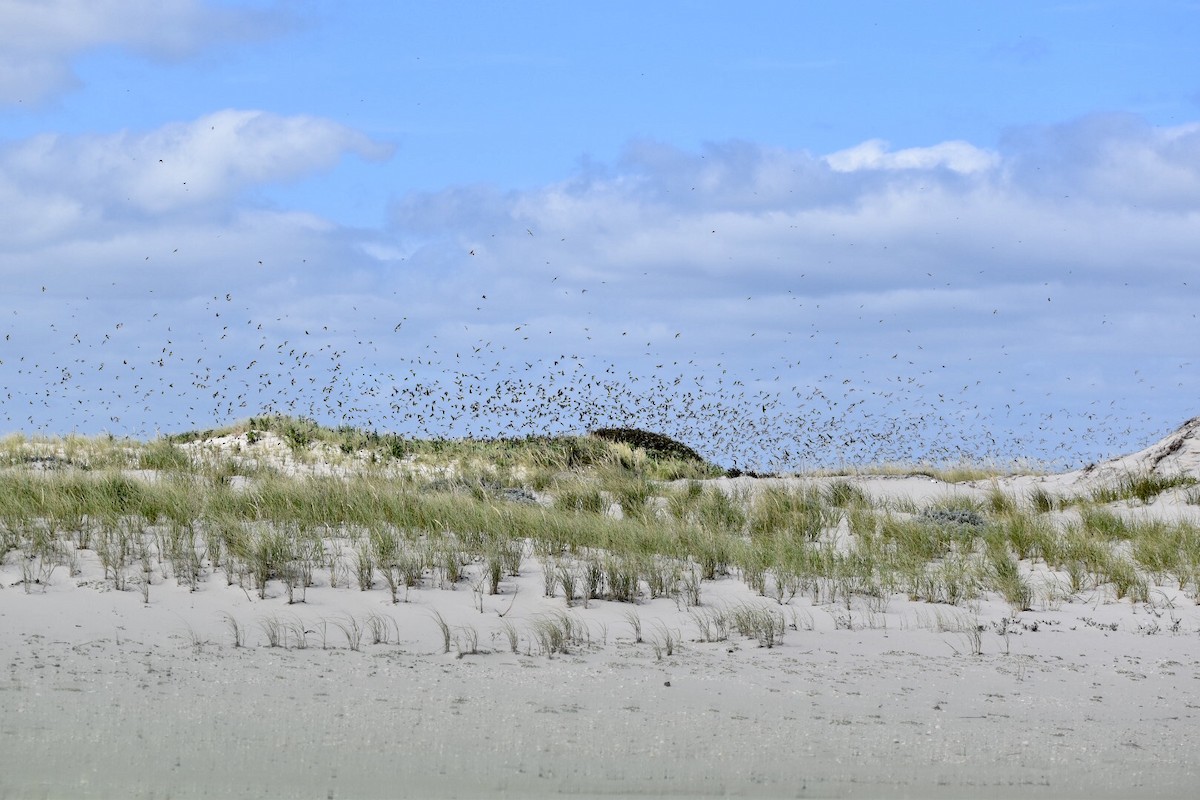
[
  {"x": 1168, "y": 551},
  {"x": 1105, "y": 524},
  {"x": 581, "y": 498},
  {"x": 1030, "y": 537},
  {"x": 1144, "y": 487},
  {"x": 1005, "y": 574},
  {"x": 762, "y": 623},
  {"x": 795, "y": 513},
  {"x": 844, "y": 494},
  {"x": 632, "y": 492},
  {"x": 1042, "y": 501},
  {"x": 164, "y": 456},
  {"x": 559, "y": 633}
]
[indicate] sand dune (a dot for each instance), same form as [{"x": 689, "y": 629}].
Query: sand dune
[{"x": 1083, "y": 695}]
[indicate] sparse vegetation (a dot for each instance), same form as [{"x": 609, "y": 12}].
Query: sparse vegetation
[
  {"x": 428, "y": 515},
  {"x": 1144, "y": 487}
]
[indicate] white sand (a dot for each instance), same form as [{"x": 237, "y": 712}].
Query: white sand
[{"x": 103, "y": 695}]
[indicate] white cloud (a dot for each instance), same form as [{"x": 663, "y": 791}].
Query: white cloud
[
  {"x": 66, "y": 182},
  {"x": 39, "y": 38},
  {"x": 874, "y": 154}
]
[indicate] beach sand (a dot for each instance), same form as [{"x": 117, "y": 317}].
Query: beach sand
[{"x": 103, "y": 695}]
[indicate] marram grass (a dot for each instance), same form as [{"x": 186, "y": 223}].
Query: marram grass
[{"x": 446, "y": 512}]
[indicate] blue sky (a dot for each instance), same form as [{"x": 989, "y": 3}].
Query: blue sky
[{"x": 790, "y": 233}]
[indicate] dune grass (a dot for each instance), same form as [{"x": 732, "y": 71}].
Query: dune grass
[
  {"x": 1144, "y": 487},
  {"x": 603, "y": 526}
]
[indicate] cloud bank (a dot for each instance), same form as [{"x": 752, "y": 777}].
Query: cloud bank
[{"x": 869, "y": 303}]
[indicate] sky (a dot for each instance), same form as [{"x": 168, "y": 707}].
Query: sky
[{"x": 791, "y": 234}]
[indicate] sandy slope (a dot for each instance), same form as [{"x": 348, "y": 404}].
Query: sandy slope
[
  {"x": 1178, "y": 453},
  {"x": 103, "y": 695}
]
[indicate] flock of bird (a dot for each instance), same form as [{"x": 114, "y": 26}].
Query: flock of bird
[{"x": 65, "y": 367}]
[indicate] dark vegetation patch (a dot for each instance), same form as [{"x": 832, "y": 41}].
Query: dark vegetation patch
[
  {"x": 734, "y": 472},
  {"x": 954, "y": 516},
  {"x": 656, "y": 445}
]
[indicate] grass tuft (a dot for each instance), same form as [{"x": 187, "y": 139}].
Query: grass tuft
[{"x": 1145, "y": 487}]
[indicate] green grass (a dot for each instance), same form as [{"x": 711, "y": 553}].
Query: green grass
[
  {"x": 844, "y": 494},
  {"x": 794, "y": 513},
  {"x": 171, "y": 507},
  {"x": 1144, "y": 487},
  {"x": 1042, "y": 501}
]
